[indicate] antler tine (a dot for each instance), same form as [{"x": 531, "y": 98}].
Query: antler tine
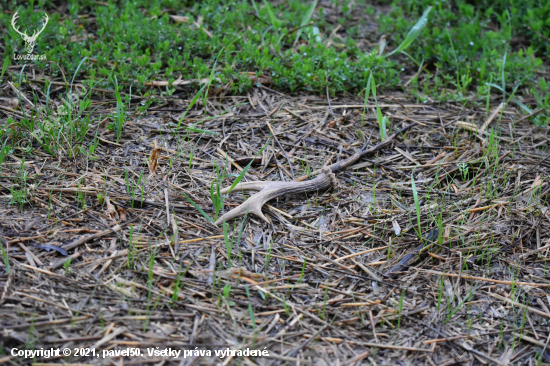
[
  {"x": 13, "y": 20},
  {"x": 272, "y": 190},
  {"x": 247, "y": 186},
  {"x": 252, "y": 205}
]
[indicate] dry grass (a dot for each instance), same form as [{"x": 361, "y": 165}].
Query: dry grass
[{"x": 338, "y": 278}]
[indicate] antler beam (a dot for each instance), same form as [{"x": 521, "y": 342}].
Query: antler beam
[{"x": 271, "y": 190}]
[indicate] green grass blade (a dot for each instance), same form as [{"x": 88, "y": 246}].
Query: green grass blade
[
  {"x": 7, "y": 63},
  {"x": 382, "y": 122},
  {"x": 379, "y": 117},
  {"x": 201, "y": 131},
  {"x": 417, "y": 205},
  {"x": 367, "y": 94},
  {"x": 76, "y": 72},
  {"x": 19, "y": 95},
  {"x": 193, "y": 101},
  {"x": 413, "y": 33},
  {"x": 6, "y": 259},
  {"x": 458, "y": 306},
  {"x": 305, "y": 20},
  {"x": 495, "y": 86},
  {"x": 197, "y": 207},
  {"x": 119, "y": 110},
  {"x": 201, "y": 90},
  {"x": 272, "y": 17},
  {"x": 241, "y": 175},
  {"x": 228, "y": 244},
  {"x": 4, "y": 151},
  {"x": 256, "y": 9},
  {"x": 523, "y": 106},
  {"x": 211, "y": 77},
  {"x": 503, "y": 77}
]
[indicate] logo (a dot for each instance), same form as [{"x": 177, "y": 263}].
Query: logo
[{"x": 29, "y": 40}]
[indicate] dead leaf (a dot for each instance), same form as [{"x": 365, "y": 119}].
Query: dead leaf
[
  {"x": 468, "y": 126},
  {"x": 396, "y": 227},
  {"x": 245, "y": 161},
  {"x": 179, "y": 82},
  {"x": 122, "y": 213},
  {"x": 152, "y": 163},
  {"x": 262, "y": 79},
  {"x": 103, "y": 122},
  {"x": 234, "y": 273},
  {"x": 537, "y": 182},
  {"x": 13, "y": 103},
  {"x": 447, "y": 231},
  {"x": 382, "y": 45},
  {"x": 179, "y": 19},
  {"x": 79, "y": 39},
  {"x": 111, "y": 209}
]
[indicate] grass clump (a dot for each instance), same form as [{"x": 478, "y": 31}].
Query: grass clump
[
  {"x": 455, "y": 49},
  {"x": 463, "y": 45}
]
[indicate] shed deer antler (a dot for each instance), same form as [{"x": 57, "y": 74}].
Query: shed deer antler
[
  {"x": 29, "y": 40},
  {"x": 271, "y": 190}
]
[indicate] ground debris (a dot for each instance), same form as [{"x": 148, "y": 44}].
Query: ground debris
[{"x": 146, "y": 268}]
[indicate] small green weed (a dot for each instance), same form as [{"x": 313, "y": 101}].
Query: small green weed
[
  {"x": 66, "y": 266},
  {"x": 6, "y": 259}
]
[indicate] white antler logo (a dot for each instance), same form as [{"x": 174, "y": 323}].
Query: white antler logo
[{"x": 30, "y": 41}]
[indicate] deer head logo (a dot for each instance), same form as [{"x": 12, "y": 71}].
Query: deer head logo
[{"x": 29, "y": 40}]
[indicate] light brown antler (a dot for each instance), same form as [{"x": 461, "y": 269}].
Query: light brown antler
[{"x": 270, "y": 190}]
